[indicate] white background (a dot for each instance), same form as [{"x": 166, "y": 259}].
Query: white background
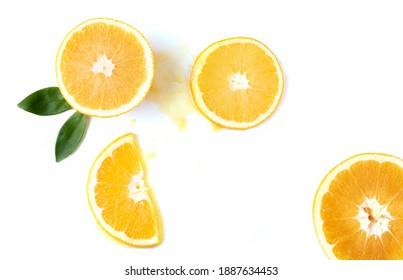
[{"x": 227, "y": 198}]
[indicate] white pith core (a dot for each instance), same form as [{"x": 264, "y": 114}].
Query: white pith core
[
  {"x": 103, "y": 65},
  {"x": 238, "y": 81},
  {"x": 373, "y": 217},
  {"x": 137, "y": 189}
]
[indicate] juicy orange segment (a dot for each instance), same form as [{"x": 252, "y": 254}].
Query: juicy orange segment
[
  {"x": 358, "y": 209},
  {"x": 120, "y": 201},
  {"x": 104, "y": 67},
  {"x": 237, "y": 83}
]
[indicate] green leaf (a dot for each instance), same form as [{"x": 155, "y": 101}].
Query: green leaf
[
  {"x": 45, "y": 102},
  {"x": 70, "y": 135}
]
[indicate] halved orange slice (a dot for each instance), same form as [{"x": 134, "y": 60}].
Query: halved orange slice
[
  {"x": 358, "y": 208},
  {"x": 118, "y": 196},
  {"x": 104, "y": 67},
  {"x": 237, "y": 83}
]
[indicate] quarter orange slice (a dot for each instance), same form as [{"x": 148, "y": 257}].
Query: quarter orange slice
[
  {"x": 358, "y": 209},
  {"x": 104, "y": 67},
  {"x": 118, "y": 196},
  {"x": 237, "y": 83}
]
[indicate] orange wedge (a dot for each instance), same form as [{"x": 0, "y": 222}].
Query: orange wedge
[
  {"x": 118, "y": 196},
  {"x": 237, "y": 83},
  {"x": 104, "y": 67},
  {"x": 358, "y": 209}
]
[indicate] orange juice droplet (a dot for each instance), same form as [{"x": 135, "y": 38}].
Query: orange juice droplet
[
  {"x": 150, "y": 155},
  {"x": 215, "y": 127}
]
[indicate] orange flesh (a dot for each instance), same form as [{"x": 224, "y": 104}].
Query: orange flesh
[
  {"x": 340, "y": 207},
  {"x": 97, "y": 90},
  {"x": 121, "y": 212},
  {"x": 241, "y": 104}
]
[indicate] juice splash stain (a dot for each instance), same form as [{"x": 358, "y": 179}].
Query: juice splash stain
[{"x": 170, "y": 90}]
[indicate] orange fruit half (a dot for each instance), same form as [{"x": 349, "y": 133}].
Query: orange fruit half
[
  {"x": 237, "y": 82},
  {"x": 104, "y": 67},
  {"x": 358, "y": 209},
  {"x": 118, "y": 196}
]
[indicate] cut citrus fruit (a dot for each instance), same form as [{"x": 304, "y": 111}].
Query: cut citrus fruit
[
  {"x": 104, "y": 67},
  {"x": 358, "y": 209},
  {"x": 237, "y": 82},
  {"x": 120, "y": 201}
]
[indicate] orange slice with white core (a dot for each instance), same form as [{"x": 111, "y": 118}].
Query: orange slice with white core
[
  {"x": 358, "y": 209},
  {"x": 104, "y": 67},
  {"x": 237, "y": 82},
  {"x": 119, "y": 198}
]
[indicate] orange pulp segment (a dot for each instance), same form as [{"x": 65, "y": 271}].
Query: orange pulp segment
[
  {"x": 104, "y": 67},
  {"x": 237, "y": 82},
  {"x": 358, "y": 209},
  {"x": 118, "y": 196}
]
